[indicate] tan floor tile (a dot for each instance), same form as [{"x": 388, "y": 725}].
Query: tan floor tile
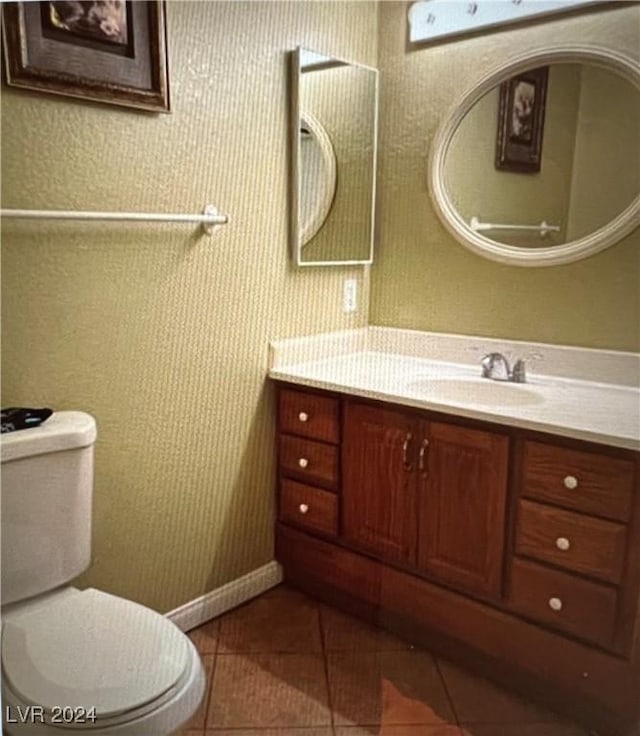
[
  {"x": 389, "y": 688},
  {"x": 405, "y": 730},
  {"x": 205, "y": 637},
  {"x": 282, "y": 589},
  {"x": 283, "y": 622},
  {"x": 269, "y": 690},
  {"x": 191, "y": 732},
  {"x": 344, "y": 633},
  {"x": 523, "y": 729},
  {"x": 197, "y": 721},
  {"x": 476, "y": 700}
]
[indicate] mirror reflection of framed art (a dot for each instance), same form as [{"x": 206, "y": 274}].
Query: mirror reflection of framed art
[{"x": 521, "y": 121}]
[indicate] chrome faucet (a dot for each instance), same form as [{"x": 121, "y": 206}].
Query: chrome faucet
[{"x": 492, "y": 361}]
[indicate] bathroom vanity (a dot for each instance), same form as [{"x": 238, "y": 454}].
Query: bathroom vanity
[{"x": 467, "y": 527}]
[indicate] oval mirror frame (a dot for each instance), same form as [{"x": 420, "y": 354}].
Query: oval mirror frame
[
  {"x": 624, "y": 223},
  {"x": 323, "y": 206}
]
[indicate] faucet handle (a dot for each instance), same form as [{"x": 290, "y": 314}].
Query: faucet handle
[
  {"x": 519, "y": 373},
  {"x": 487, "y": 364}
]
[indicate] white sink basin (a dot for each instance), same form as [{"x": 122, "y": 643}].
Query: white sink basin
[{"x": 475, "y": 391}]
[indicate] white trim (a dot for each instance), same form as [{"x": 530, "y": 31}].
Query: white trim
[
  {"x": 323, "y": 206},
  {"x": 575, "y": 250},
  {"x": 223, "y": 599}
]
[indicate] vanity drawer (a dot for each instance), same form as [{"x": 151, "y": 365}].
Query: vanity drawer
[
  {"x": 309, "y": 460},
  {"x": 576, "y": 542},
  {"x": 586, "y": 481},
  {"x": 309, "y": 508},
  {"x": 309, "y": 415},
  {"x": 574, "y": 605}
]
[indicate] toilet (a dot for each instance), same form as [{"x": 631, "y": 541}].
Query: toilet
[{"x": 77, "y": 660}]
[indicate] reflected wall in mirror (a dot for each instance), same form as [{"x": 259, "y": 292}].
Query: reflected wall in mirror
[
  {"x": 586, "y": 194},
  {"x": 334, "y": 137}
]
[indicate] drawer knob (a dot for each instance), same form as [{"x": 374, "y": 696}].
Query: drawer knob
[
  {"x": 555, "y": 604},
  {"x": 303, "y": 508},
  {"x": 563, "y": 543},
  {"x": 303, "y": 462},
  {"x": 571, "y": 482},
  {"x": 303, "y": 416}
]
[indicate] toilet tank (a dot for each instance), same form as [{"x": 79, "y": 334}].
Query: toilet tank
[{"x": 46, "y": 495}]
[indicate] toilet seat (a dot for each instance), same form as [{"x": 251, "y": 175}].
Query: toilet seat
[{"x": 90, "y": 649}]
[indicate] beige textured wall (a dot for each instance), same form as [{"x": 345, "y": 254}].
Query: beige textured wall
[
  {"x": 424, "y": 279},
  {"x": 606, "y": 176},
  {"x": 160, "y": 334}
]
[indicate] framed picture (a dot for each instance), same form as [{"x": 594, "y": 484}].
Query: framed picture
[
  {"x": 113, "y": 52},
  {"x": 521, "y": 121}
]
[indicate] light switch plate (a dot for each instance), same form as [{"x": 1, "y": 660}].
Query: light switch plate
[{"x": 350, "y": 296}]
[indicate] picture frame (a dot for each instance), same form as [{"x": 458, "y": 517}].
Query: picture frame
[
  {"x": 115, "y": 53},
  {"x": 521, "y": 121}
]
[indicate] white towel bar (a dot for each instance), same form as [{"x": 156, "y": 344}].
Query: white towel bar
[
  {"x": 543, "y": 228},
  {"x": 209, "y": 219}
]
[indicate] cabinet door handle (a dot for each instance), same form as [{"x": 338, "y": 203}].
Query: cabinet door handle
[
  {"x": 303, "y": 508},
  {"x": 405, "y": 451},
  {"x": 303, "y": 462},
  {"x": 570, "y": 482},
  {"x": 563, "y": 544},
  {"x": 422, "y": 454},
  {"x": 303, "y": 416}
]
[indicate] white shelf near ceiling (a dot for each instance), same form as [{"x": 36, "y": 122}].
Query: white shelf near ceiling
[{"x": 432, "y": 19}]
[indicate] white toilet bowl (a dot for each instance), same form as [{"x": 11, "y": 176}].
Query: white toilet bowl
[
  {"x": 91, "y": 662},
  {"x": 79, "y": 661}
]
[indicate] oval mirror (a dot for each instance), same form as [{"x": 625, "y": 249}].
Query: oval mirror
[
  {"x": 317, "y": 176},
  {"x": 539, "y": 163}
]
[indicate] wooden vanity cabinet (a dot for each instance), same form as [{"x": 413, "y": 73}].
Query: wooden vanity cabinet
[
  {"x": 462, "y": 507},
  {"x": 308, "y": 461},
  {"x": 576, "y": 552},
  {"x": 426, "y": 494},
  {"x": 379, "y": 483},
  {"x": 515, "y": 552}
]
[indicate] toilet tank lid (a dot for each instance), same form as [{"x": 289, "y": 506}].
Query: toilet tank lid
[{"x": 64, "y": 430}]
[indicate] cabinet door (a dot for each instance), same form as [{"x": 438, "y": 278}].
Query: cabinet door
[
  {"x": 462, "y": 507},
  {"x": 379, "y": 481}
]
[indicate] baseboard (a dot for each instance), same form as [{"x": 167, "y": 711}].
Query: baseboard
[{"x": 212, "y": 604}]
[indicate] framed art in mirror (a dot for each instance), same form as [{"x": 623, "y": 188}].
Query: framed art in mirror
[
  {"x": 521, "y": 121},
  {"x": 107, "y": 52}
]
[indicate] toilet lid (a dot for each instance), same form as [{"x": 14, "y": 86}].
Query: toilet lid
[{"x": 92, "y": 649}]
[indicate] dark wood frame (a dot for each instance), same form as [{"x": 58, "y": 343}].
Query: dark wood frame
[
  {"x": 38, "y": 62},
  {"x": 521, "y": 154}
]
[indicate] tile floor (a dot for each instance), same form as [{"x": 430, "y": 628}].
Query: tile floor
[{"x": 286, "y": 665}]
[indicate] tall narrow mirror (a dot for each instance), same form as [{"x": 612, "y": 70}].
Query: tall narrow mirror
[{"x": 334, "y": 106}]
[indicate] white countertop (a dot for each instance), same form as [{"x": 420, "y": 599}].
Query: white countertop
[{"x": 596, "y": 411}]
